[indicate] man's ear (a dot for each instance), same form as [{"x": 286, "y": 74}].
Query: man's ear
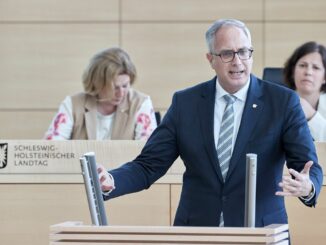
[{"x": 210, "y": 59}]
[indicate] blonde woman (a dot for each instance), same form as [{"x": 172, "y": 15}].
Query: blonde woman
[{"x": 108, "y": 108}]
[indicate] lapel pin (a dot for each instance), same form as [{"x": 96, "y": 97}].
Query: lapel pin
[{"x": 254, "y": 106}]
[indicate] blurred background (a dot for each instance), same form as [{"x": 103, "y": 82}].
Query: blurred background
[{"x": 45, "y": 46}]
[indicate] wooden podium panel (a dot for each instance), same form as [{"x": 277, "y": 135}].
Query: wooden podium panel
[
  {"x": 74, "y": 233},
  {"x": 27, "y": 210},
  {"x": 306, "y": 225},
  {"x": 41, "y": 184}
]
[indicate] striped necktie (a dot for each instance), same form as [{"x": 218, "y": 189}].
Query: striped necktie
[{"x": 224, "y": 147}]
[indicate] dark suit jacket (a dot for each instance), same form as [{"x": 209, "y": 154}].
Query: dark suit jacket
[{"x": 276, "y": 130}]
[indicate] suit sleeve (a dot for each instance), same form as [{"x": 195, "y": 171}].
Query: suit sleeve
[
  {"x": 299, "y": 146},
  {"x": 157, "y": 156}
]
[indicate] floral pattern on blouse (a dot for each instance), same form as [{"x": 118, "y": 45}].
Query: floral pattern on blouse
[{"x": 62, "y": 125}]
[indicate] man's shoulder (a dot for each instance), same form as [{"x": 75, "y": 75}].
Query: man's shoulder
[
  {"x": 199, "y": 88},
  {"x": 274, "y": 95},
  {"x": 272, "y": 87}
]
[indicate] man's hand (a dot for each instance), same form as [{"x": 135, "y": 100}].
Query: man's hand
[
  {"x": 300, "y": 186},
  {"x": 106, "y": 180}
]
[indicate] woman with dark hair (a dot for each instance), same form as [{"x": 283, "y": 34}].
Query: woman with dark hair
[
  {"x": 304, "y": 72},
  {"x": 108, "y": 108}
]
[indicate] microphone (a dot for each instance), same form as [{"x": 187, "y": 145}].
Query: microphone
[
  {"x": 93, "y": 189},
  {"x": 250, "y": 193}
]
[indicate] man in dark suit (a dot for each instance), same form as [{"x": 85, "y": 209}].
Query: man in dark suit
[{"x": 212, "y": 126}]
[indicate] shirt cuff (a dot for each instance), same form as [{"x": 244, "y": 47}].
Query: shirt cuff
[
  {"x": 107, "y": 193},
  {"x": 310, "y": 196}
]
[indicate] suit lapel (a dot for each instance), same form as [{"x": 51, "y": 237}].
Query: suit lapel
[
  {"x": 251, "y": 113},
  {"x": 206, "y": 116}
]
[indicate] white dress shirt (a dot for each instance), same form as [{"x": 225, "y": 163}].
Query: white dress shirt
[
  {"x": 238, "y": 107},
  {"x": 317, "y": 123}
]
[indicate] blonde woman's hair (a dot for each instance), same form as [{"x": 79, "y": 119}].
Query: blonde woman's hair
[{"x": 104, "y": 67}]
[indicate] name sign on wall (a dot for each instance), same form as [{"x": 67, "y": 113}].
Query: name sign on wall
[{"x": 43, "y": 160}]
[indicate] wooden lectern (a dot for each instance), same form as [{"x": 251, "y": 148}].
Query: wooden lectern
[
  {"x": 41, "y": 185},
  {"x": 75, "y": 233}
]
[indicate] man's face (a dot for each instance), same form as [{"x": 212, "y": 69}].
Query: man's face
[{"x": 232, "y": 75}]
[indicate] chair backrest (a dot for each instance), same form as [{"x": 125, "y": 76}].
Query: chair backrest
[{"x": 274, "y": 74}]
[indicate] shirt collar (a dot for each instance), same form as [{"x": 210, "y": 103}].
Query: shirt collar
[{"x": 240, "y": 95}]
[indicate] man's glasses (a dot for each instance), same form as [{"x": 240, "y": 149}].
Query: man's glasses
[{"x": 228, "y": 55}]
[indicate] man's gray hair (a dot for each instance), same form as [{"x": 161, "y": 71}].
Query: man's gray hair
[{"x": 210, "y": 33}]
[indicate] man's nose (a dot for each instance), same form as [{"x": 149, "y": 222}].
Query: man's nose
[{"x": 236, "y": 59}]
